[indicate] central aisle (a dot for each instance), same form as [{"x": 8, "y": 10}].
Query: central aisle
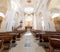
[{"x": 27, "y": 44}]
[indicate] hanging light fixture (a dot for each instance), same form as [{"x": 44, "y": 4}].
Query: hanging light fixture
[{"x": 29, "y": 1}]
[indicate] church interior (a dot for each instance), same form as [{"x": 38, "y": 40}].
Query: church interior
[{"x": 29, "y": 25}]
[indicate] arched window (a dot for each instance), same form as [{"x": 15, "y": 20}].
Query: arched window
[
  {"x": 56, "y": 19},
  {"x": 57, "y": 23},
  {"x": 1, "y": 18}
]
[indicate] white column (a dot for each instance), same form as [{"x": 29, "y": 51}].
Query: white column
[
  {"x": 49, "y": 24},
  {"x": 34, "y": 22},
  {"x": 10, "y": 19}
]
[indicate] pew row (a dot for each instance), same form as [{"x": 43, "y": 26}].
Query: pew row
[
  {"x": 44, "y": 37},
  {"x": 20, "y": 32},
  {"x": 54, "y": 42},
  {"x": 1, "y": 45},
  {"x": 7, "y": 39}
]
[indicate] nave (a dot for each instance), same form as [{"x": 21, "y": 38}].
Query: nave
[
  {"x": 29, "y": 25},
  {"x": 27, "y": 44}
]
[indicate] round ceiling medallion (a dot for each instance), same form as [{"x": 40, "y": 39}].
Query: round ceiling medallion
[{"x": 29, "y": 1}]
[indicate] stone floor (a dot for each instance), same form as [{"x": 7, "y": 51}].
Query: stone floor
[{"x": 27, "y": 44}]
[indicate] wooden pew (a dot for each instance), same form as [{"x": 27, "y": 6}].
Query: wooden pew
[
  {"x": 39, "y": 35},
  {"x": 54, "y": 44},
  {"x": 1, "y": 45},
  {"x": 7, "y": 40},
  {"x": 11, "y": 35},
  {"x": 14, "y": 36},
  {"x": 36, "y": 33},
  {"x": 20, "y": 32},
  {"x": 45, "y": 37}
]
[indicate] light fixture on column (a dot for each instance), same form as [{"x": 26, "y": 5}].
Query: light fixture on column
[
  {"x": 1, "y": 19},
  {"x": 29, "y": 1}
]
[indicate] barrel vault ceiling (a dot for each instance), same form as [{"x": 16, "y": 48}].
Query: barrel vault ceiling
[{"x": 51, "y": 5}]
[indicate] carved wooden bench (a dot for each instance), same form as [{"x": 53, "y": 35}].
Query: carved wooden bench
[
  {"x": 54, "y": 44},
  {"x": 7, "y": 41},
  {"x": 1, "y": 45}
]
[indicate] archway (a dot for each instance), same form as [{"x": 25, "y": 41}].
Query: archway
[{"x": 28, "y": 21}]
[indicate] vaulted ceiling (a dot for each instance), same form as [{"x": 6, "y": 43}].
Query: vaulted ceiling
[
  {"x": 52, "y": 5},
  {"x": 4, "y": 5}
]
